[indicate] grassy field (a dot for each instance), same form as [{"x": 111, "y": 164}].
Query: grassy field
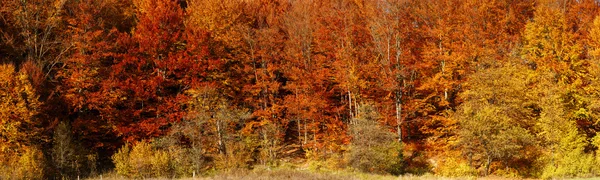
[{"x": 298, "y": 174}]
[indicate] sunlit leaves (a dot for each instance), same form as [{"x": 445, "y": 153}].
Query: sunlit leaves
[{"x": 19, "y": 109}]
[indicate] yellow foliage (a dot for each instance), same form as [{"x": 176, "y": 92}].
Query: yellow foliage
[
  {"x": 140, "y": 158},
  {"x": 595, "y": 38},
  {"x": 139, "y": 162},
  {"x": 217, "y": 17},
  {"x": 160, "y": 163},
  {"x": 121, "y": 160},
  {"x": 550, "y": 45},
  {"x": 31, "y": 164},
  {"x": 567, "y": 158},
  {"x": 184, "y": 161},
  {"x": 454, "y": 167},
  {"x": 27, "y": 165},
  {"x": 143, "y": 160},
  {"x": 18, "y": 107}
]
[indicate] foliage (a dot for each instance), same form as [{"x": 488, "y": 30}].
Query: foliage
[
  {"x": 141, "y": 161},
  {"x": 29, "y": 164},
  {"x": 501, "y": 87},
  {"x": 211, "y": 129},
  {"x": 566, "y": 156},
  {"x": 373, "y": 148},
  {"x": 68, "y": 156},
  {"x": 20, "y": 127},
  {"x": 19, "y": 108},
  {"x": 455, "y": 167},
  {"x": 493, "y": 117},
  {"x": 569, "y": 159}
]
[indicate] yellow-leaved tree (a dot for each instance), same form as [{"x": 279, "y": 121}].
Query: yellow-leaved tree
[
  {"x": 494, "y": 119},
  {"x": 19, "y": 107},
  {"x": 565, "y": 90}
]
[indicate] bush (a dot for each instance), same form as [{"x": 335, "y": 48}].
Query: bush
[
  {"x": 374, "y": 148},
  {"x": 121, "y": 161},
  {"x": 141, "y": 161},
  {"x": 161, "y": 164},
  {"x": 185, "y": 161},
  {"x": 569, "y": 165},
  {"x": 146, "y": 160},
  {"x": 453, "y": 167},
  {"x": 29, "y": 164},
  {"x": 239, "y": 154},
  {"x": 568, "y": 157}
]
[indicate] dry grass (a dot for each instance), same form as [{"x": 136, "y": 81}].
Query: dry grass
[
  {"x": 289, "y": 174},
  {"x": 298, "y": 174}
]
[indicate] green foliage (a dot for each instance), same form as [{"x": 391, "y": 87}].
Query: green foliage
[{"x": 374, "y": 148}]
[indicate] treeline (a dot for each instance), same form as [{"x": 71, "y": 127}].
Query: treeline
[{"x": 171, "y": 88}]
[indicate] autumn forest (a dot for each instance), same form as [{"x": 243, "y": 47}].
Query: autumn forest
[{"x": 182, "y": 88}]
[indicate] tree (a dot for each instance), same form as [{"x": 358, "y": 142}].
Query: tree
[
  {"x": 568, "y": 107},
  {"x": 495, "y": 116},
  {"x": 68, "y": 156},
  {"x": 132, "y": 84},
  {"x": 95, "y": 27},
  {"x": 458, "y": 40},
  {"x": 563, "y": 142},
  {"x": 19, "y": 112},
  {"x": 549, "y": 45},
  {"x": 214, "y": 126},
  {"x": 33, "y": 32},
  {"x": 20, "y": 127}
]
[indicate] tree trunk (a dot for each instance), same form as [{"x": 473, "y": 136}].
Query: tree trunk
[
  {"x": 221, "y": 143},
  {"x": 305, "y": 133},
  {"x": 399, "y": 116},
  {"x": 350, "y": 106},
  {"x": 487, "y": 165},
  {"x": 299, "y": 133}
]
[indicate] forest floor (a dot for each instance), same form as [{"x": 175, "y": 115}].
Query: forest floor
[{"x": 298, "y": 174}]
